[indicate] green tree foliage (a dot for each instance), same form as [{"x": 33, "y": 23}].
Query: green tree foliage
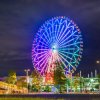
[
  {"x": 11, "y": 77},
  {"x": 36, "y": 80},
  {"x": 81, "y": 84},
  {"x": 76, "y": 82},
  {"x": 68, "y": 82},
  {"x": 99, "y": 82},
  {"x": 59, "y": 76},
  {"x": 47, "y": 89},
  {"x": 98, "y": 78},
  {"x": 21, "y": 82}
]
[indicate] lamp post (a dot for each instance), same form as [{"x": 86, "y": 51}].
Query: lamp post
[
  {"x": 95, "y": 73},
  {"x": 98, "y": 62},
  {"x": 91, "y": 74},
  {"x": 27, "y": 76},
  {"x": 88, "y": 75},
  {"x": 80, "y": 74}
]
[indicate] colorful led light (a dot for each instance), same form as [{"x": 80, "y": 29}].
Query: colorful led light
[{"x": 58, "y": 37}]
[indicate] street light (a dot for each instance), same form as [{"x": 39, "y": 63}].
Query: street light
[
  {"x": 98, "y": 62},
  {"x": 27, "y": 76}
]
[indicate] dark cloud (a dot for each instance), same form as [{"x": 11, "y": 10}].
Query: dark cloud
[{"x": 20, "y": 20}]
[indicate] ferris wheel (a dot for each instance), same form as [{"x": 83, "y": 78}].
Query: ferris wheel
[{"x": 58, "y": 40}]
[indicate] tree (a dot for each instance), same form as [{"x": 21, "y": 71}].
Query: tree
[
  {"x": 59, "y": 76},
  {"x": 87, "y": 83},
  {"x": 11, "y": 77},
  {"x": 36, "y": 80},
  {"x": 99, "y": 81},
  {"x": 68, "y": 83},
  {"x": 76, "y": 83},
  {"x": 21, "y": 82},
  {"x": 81, "y": 84}
]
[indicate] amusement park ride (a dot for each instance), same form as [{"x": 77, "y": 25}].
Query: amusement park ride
[{"x": 58, "y": 40}]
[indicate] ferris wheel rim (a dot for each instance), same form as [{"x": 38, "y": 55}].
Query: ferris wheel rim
[{"x": 81, "y": 43}]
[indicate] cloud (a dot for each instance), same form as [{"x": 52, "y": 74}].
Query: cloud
[{"x": 20, "y": 20}]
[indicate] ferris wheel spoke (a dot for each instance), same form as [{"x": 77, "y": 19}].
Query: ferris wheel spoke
[
  {"x": 45, "y": 42},
  {"x": 41, "y": 49},
  {"x": 38, "y": 46},
  {"x": 49, "y": 30},
  {"x": 62, "y": 61},
  {"x": 50, "y": 37},
  {"x": 42, "y": 44},
  {"x": 67, "y": 61},
  {"x": 47, "y": 34},
  {"x": 52, "y": 26},
  {"x": 52, "y": 34},
  {"x": 60, "y": 29},
  {"x": 70, "y": 58},
  {"x": 75, "y": 40},
  {"x": 47, "y": 39},
  {"x": 43, "y": 58},
  {"x": 71, "y": 40},
  {"x": 67, "y": 26},
  {"x": 73, "y": 44},
  {"x": 60, "y": 36},
  {"x": 63, "y": 40},
  {"x": 73, "y": 32},
  {"x": 42, "y": 55},
  {"x": 66, "y": 49},
  {"x": 75, "y": 58},
  {"x": 44, "y": 64},
  {"x": 69, "y": 53},
  {"x": 37, "y": 53},
  {"x": 56, "y": 33},
  {"x": 78, "y": 49},
  {"x": 64, "y": 54},
  {"x": 78, "y": 37},
  {"x": 63, "y": 35},
  {"x": 56, "y": 29}
]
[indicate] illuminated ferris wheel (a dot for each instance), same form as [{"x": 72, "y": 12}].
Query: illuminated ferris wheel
[{"x": 58, "y": 40}]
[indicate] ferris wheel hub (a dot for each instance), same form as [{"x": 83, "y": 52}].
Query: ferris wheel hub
[{"x": 54, "y": 48}]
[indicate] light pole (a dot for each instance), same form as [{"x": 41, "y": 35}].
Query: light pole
[
  {"x": 98, "y": 62},
  {"x": 27, "y": 76}
]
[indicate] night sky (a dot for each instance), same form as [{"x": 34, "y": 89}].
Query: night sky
[{"x": 21, "y": 19}]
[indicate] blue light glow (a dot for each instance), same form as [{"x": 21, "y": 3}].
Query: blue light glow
[{"x": 63, "y": 37}]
